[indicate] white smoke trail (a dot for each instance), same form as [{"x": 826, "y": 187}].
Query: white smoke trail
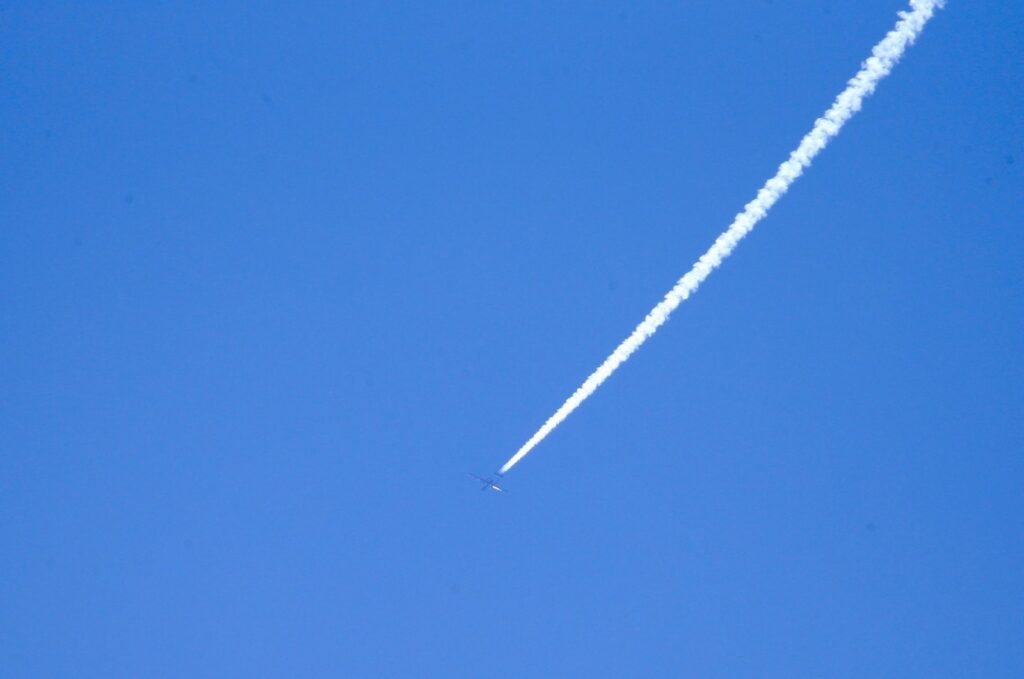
[{"x": 883, "y": 57}]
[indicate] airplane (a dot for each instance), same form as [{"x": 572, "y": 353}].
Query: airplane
[{"x": 489, "y": 484}]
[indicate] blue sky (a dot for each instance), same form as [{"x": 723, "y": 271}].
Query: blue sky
[{"x": 274, "y": 278}]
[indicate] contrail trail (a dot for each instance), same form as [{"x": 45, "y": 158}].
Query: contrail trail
[{"x": 883, "y": 57}]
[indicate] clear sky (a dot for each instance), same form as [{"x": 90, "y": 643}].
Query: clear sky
[{"x": 273, "y": 279}]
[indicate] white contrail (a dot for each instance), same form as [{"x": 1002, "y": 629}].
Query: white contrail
[{"x": 883, "y": 57}]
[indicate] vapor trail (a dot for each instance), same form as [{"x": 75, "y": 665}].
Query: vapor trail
[{"x": 883, "y": 57}]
